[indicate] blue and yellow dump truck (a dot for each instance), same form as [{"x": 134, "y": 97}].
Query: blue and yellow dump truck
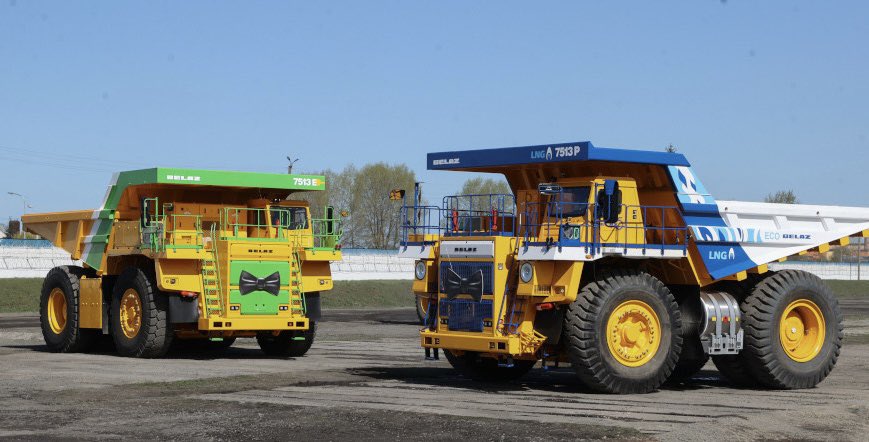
[
  {"x": 619, "y": 263},
  {"x": 197, "y": 255}
]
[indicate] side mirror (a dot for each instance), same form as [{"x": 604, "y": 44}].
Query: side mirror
[
  {"x": 609, "y": 202},
  {"x": 549, "y": 189},
  {"x": 330, "y": 220}
]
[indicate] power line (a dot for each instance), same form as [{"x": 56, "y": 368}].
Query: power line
[{"x": 54, "y": 156}]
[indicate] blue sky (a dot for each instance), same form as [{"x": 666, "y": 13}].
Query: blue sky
[{"x": 760, "y": 96}]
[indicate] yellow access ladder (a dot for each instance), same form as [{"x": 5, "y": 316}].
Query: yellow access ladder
[
  {"x": 297, "y": 294},
  {"x": 211, "y": 292}
]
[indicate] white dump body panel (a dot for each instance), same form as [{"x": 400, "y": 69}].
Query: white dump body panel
[{"x": 768, "y": 232}]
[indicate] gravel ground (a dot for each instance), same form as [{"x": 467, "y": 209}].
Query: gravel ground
[{"x": 365, "y": 379}]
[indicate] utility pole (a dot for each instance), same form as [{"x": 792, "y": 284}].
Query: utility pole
[{"x": 24, "y": 211}]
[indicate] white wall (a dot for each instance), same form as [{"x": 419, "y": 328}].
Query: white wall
[
  {"x": 31, "y": 262},
  {"x": 35, "y": 262},
  {"x": 374, "y": 264}
]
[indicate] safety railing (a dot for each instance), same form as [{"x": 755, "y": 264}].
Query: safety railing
[
  {"x": 280, "y": 224},
  {"x": 564, "y": 224},
  {"x": 327, "y": 233},
  {"x": 459, "y": 215},
  {"x": 480, "y": 215},
  {"x": 160, "y": 232}
]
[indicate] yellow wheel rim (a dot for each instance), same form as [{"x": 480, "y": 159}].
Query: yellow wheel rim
[
  {"x": 131, "y": 313},
  {"x": 56, "y": 310},
  {"x": 802, "y": 330},
  {"x": 633, "y": 333}
]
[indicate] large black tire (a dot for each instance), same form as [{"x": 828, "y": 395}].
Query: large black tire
[
  {"x": 154, "y": 335},
  {"x": 285, "y": 344},
  {"x": 733, "y": 368},
  {"x": 764, "y": 354},
  {"x": 422, "y": 306},
  {"x": 59, "y": 317},
  {"x": 585, "y": 333},
  {"x": 472, "y": 366},
  {"x": 690, "y": 361}
]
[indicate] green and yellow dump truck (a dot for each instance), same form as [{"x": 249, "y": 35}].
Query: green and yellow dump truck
[{"x": 185, "y": 254}]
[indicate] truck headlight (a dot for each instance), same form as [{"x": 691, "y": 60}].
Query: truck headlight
[
  {"x": 526, "y": 272},
  {"x": 419, "y": 270}
]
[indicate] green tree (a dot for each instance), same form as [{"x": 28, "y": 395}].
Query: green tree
[
  {"x": 483, "y": 186},
  {"x": 782, "y": 197},
  {"x": 338, "y": 194},
  {"x": 375, "y": 217}
]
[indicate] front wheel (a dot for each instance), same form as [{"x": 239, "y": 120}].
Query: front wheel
[
  {"x": 423, "y": 304},
  {"x": 289, "y": 343},
  {"x": 471, "y": 365},
  {"x": 623, "y": 333}
]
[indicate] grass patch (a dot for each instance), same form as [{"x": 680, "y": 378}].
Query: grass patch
[
  {"x": 849, "y": 289},
  {"x": 362, "y": 294},
  {"x": 20, "y": 295}
]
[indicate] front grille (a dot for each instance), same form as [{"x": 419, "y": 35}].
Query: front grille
[
  {"x": 465, "y": 269},
  {"x": 465, "y": 315}
]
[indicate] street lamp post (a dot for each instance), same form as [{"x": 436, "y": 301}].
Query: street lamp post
[{"x": 24, "y": 212}]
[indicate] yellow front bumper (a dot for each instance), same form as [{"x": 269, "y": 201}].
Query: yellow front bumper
[
  {"x": 508, "y": 345},
  {"x": 254, "y": 323}
]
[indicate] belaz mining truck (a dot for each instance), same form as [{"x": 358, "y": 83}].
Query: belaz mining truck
[
  {"x": 197, "y": 255},
  {"x": 619, "y": 263}
]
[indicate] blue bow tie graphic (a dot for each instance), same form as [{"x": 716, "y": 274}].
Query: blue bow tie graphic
[{"x": 455, "y": 285}]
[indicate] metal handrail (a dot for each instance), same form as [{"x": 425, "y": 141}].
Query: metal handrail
[{"x": 556, "y": 229}]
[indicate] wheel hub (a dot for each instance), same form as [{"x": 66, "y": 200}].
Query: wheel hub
[
  {"x": 633, "y": 333},
  {"x": 131, "y": 313},
  {"x": 802, "y": 330},
  {"x": 56, "y": 310}
]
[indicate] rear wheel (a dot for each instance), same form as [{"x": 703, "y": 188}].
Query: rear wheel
[
  {"x": 691, "y": 360},
  {"x": 140, "y": 316},
  {"x": 289, "y": 343},
  {"x": 59, "y": 314},
  {"x": 471, "y": 365},
  {"x": 793, "y": 330},
  {"x": 623, "y": 333},
  {"x": 733, "y": 368}
]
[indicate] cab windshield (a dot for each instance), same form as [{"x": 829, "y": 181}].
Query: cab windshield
[
  {"x": 574, "y": 201},
  {"x": 292, "y": 218}
]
